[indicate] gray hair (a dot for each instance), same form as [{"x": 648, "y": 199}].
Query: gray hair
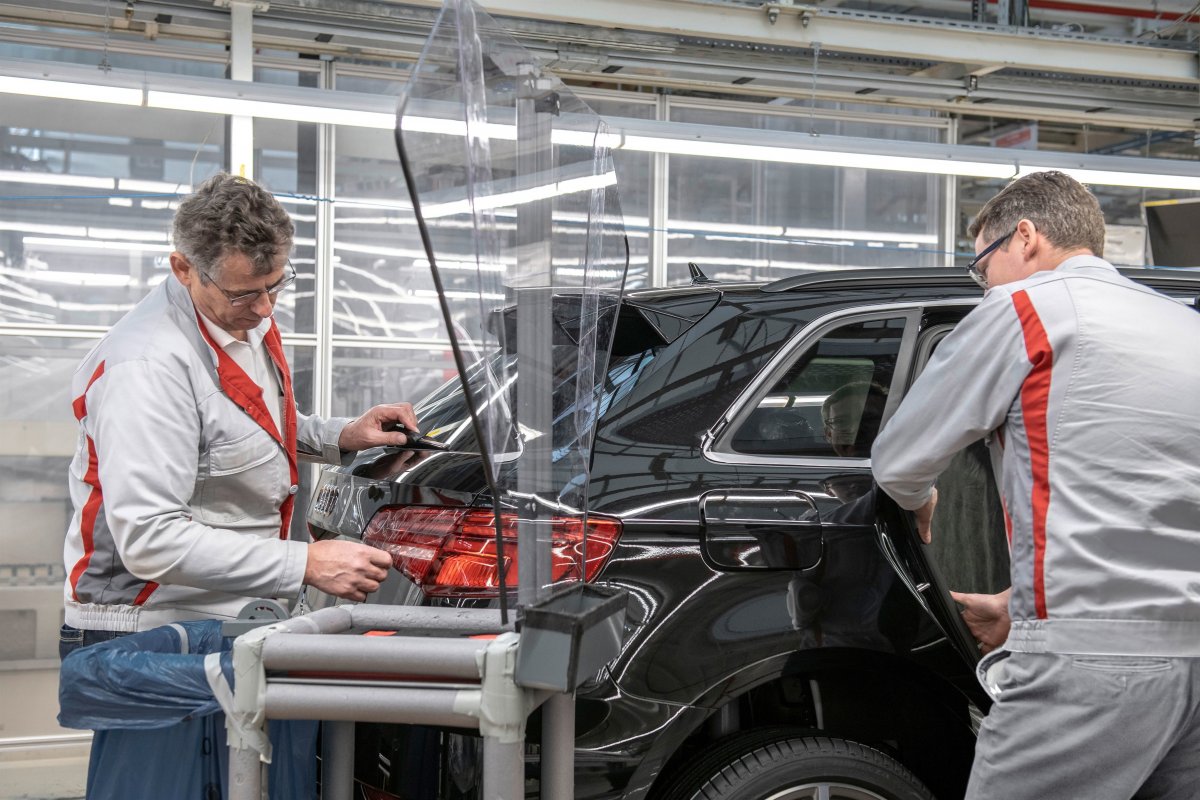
[
  {"x": 1060, "y": 207},
  {"x": 227, "y": 214}
]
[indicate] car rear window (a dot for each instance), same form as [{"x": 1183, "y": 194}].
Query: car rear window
[{"x": 444, "y": 415}]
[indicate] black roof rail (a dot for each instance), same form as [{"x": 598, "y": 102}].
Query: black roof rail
[
  {"x": 856, "y": 278},
  {"x": 1158, "y": 278}
]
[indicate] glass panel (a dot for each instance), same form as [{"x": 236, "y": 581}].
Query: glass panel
[
  {"x": 178, "y": 64},
  {"x": 74, "y": 249},
  {"x": 831, "y": 400},
  {"x": 392, "y": 84},
  {"x": 1127, "y": 243},
  {"x": 758, "y": 220},
  {"x": 382, "y": 285},
  {"x": 367, "y": 376},
  {"x": 285, "y": 162},
  {"x": 302, "y": 360},
  {"x": 635, "y": 180},
  {"x": 797, "y": 119},
  {"x": 35, "y": 450}
]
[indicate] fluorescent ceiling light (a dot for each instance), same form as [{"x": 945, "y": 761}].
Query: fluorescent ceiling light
[
  {"x": 73, "y": 278},
  {"x": 159, "y": 205},
  {"x": 95, "y": 244},
  {"x": 825, "y": 158},
  {"x": 56, "y": 179},
  {"x": 127, "y": 233},
  {"x": 68, "y": 90},
  {"x": 1184, "y": 183},
  {"x": 875, "y": 236},
  {"x": 355, "y": 109},
  {"x": 451, "y": 127},
  {"x": 209, "y": 104},
  {"x": 49, "y": 230},
  {"x": 520, "y": 196},
  {"x": 156, "y": 187}
]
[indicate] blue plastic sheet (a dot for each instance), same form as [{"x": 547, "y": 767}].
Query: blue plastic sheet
[
  {"x": 159, "y": 729},
  {"x": 145, "y": 680}
]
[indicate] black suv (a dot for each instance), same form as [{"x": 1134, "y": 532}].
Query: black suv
[{"x": 787, "y": 634}]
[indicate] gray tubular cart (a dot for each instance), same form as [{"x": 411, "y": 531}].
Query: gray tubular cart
[
  {"x": 500, "y": 160},
  {"x": 437, "y": 675}
]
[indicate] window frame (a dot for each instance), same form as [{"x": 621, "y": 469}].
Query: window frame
[{"x": 717, "y": 444}]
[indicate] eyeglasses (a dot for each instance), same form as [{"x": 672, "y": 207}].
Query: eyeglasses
[
  {"x": 246, "y": 298},
  {"x": 980, "y": 275}
]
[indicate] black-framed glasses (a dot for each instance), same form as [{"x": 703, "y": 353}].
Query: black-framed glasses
[
  {"x": 246, "y": 298},
  {"x": 980, "y": 275}
]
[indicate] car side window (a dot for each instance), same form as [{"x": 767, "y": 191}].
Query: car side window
[{"x": 831, "y": 399}]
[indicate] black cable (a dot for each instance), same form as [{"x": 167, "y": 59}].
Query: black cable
[{"x": 459, "y": 363}]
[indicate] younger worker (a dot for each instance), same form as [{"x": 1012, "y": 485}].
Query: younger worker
[{"x": 1086, "y": 386}]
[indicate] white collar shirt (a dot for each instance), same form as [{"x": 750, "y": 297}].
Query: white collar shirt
[{"x": 252, "y": 356}]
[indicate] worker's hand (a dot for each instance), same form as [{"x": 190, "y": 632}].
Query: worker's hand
[
  {"x": 987, "y": 617},
  {"x": 368, "y": 430},
  {"x": 346, "y": 569},
  {"x": 924, "y": 516}
]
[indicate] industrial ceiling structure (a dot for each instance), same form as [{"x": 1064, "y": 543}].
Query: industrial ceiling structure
[{"x": 1100, "y": 76}]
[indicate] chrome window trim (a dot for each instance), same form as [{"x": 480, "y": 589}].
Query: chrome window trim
[{"x": 715, "y": 441}]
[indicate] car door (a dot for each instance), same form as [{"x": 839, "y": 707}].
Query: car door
[{"x": 801, "y": 436}]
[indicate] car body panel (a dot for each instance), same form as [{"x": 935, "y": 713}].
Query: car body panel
[{"x": 762, "y": 588}]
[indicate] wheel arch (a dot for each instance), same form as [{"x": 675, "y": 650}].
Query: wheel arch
[{"x": 907, "y": 709}]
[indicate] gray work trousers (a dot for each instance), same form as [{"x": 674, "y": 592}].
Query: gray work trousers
[{"x": 1094, "y": 727}]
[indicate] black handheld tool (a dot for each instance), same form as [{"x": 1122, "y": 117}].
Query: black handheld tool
[{"x": 419, "y": 440}]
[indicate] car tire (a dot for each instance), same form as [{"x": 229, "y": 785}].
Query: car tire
[{"x": 795, "y": 768}]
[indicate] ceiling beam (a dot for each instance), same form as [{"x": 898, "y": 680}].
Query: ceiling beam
[{"x": 839, "y": 30}]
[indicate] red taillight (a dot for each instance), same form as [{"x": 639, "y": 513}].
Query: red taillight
[{"x": 452, "y": 551}]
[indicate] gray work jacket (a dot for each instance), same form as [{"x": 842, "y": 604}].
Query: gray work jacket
[
  {"x": 1086, "y": 387},
  {"x": 182, "y": 484}
]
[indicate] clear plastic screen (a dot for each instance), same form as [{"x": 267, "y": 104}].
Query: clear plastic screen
[{"x": 514, "y": 186}]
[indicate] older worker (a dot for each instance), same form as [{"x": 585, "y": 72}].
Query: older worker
[{"x": 185, "y": 473}]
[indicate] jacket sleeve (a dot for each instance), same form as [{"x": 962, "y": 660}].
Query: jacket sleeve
[
  {"x": 317, "y": 438},
  {"x": 963, "y": 394},
  {"x": 146, "y": 435}
]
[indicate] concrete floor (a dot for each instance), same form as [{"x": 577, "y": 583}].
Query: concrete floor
[{"x": 44, "y": 768}]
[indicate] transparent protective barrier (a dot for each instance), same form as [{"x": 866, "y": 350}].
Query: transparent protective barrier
[{"x": 514, "y": 191}]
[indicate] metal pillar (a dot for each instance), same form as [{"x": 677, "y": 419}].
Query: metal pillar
[
  {"x": 323, "y": 258},
  {"x": 245, "y": 774},
  {"x": 241, "y": 68},
  {"x": 537, "y": 104},
  {"x": 337, "y": 761},
  {"x": 949, "y": 237},
  {"x": 503, "y": 769},
  {"x": 558, "y": 747},
  {"x": 660, "y": 186}
]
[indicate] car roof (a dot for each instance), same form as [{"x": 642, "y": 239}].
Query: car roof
[{"x": 1165, "y": 279}]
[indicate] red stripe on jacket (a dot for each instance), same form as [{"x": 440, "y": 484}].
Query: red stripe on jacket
[
  {"x": 1035, "y": 400},
  {"x": 87, "y": 520},
  {"x": 91, "y": 508},
  {"x": 248, "y": 395}
]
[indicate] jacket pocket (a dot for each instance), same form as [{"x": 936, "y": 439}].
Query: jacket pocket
[
  {"x": 240, "y": 481},
  {"x": 1122, "y": 665},
  {"x": 989, "y": 672}
]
